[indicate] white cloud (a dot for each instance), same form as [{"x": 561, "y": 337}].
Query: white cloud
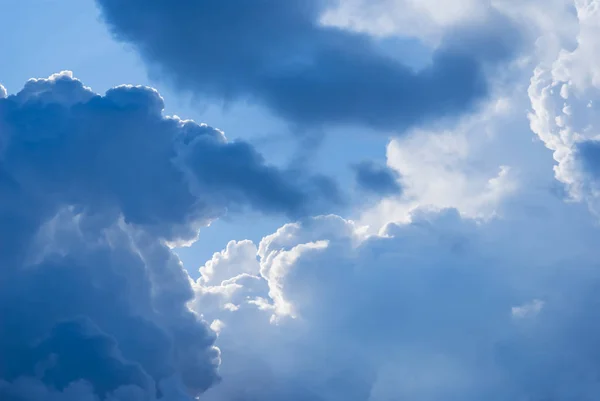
[
  {"x": 425, "y": 18},
  {"x": 564, "y": 97},
  {"x": 3, "y": 92},
  {"x": 472, "y": 167},
  {"x": 492, "y": 300},
  {"x": 427, "y": 310},
  {"x": 238, "y": 258},
  {"x": 434, "y": 306},
  {"x": 478, "y": 165},
  {"x": 430, "y": 20}
]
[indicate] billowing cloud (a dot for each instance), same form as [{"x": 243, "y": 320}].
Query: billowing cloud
[
  {"x": 564, "y": 95},
  {"x": 377, "y": 179},
  {"x": 280, "y": 54},
  {"x": 438, "y": 308},
  {"x": 94, "y": 188},
  {"x": 473, "y": 167},
  {"x": 484, "y": 285},
  {"x": 476, "y": 282}
]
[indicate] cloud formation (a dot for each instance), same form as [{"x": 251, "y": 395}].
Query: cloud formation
[
  {"x": 279, "y": 54},
  {"x": 93, "y": 301},
  {"x": 466, "y": 287},
  {"x": 564, "y": 95},
  {"x": 492, "y": 299},
  {"x": 439, "y": 308}
]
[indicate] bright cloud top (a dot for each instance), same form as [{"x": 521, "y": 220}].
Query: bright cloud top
[{"x": 441, "y": 308}]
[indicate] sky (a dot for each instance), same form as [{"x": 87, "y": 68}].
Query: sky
[{"x": 305, "y": 200}]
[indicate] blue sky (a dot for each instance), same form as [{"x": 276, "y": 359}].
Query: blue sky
[{"x": 308, "y": 200}]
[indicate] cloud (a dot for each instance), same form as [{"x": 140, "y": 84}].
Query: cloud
[
  {"x": 3, "y": 92},
  {"x": 431, "y": 20},
  {"x": 474, "y": 167},
  {"x": 407, "y": 17},
  {"x": 439, "y": 304},
  {"x": 280, "y": 55},
  {"x": 192, "y": 170},
  {"x": 480, "y": 285},
  {"x": 94, "y": 188},
  {"x": 238, "y": 258},
  {"x": 442, "y": 307},
  {"x": 564, "y": 94},
  {"x": 376, "y": 179}
]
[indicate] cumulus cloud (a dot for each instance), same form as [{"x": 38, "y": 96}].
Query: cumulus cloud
[
  {"x": 440, "y": 308},
  {"x": 282, "y": 56},
  {"x": 448, "y": 300},
  {"x": 564, "y": 94},
  {"x": 474, "y": 167},
  {"x": 488, "y": 295},
  {"x": 94, "y": 187},
  {"x": 236, "y": 259}
]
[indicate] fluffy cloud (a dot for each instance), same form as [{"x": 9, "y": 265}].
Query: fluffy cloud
[
  {"x": 494, "y": 298},
  {"x": 442, "y": 307},
  {"x": 564, "y": 95},
  {"x": 473, "y": 167},
  {"x": 281, "y": 55},
  {"x": 480, "y": 285},
  {"x": 93, "y": 301},
  {"x": 478, "y": 164}
]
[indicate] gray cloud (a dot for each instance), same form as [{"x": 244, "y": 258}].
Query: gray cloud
[
  {"x": 280, "y": 55},
  {"x": 93, "y": 302}
]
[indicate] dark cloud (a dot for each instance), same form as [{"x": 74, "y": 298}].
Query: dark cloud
[
  {"x": 377, "y": 179},
  {"x": 280, "y": 55},
  {"x": 92, "y": 300}
]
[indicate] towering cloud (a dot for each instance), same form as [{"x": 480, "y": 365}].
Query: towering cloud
[
  {"x": 93, "y": 302},
  {"x": 281, "y": 55}
]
